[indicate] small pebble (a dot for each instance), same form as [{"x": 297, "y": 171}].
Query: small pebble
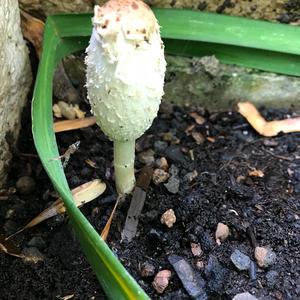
[
  {"x": 159, "y": 176},
  {"x": 240, "y": 260},
  {"x": 222, "y": 233},
  {"x": 170, "y": 137},
  {"x": 191, "y": 176},
  {"x": 25, "y": 185},
  {"x": 173, "y": 171},
  {"x": 271, "y": 277},
  {"x": 191, "y": 280},
  {"x": 32, "y": 255},
  {"x": 67, "y": 110},
  {"x": 160, "y": 146},
  {"x": 196, "y": 249},
  {"x": 173, "y": 185},
  {"x": 244, "y": 296},
  {"x": 147, "y": 270},
  {"x": 162, "y": 163},
  {"x": 252, "y": 270},
  {"x": 168, "y": 218},
  {"x": 200, "y": 264},
  {"x": 265, "y": 257},
  {"x": 161, "y": 280},
  {"x": 175, "y": 154},
  {"x": 146, "y": 157}
]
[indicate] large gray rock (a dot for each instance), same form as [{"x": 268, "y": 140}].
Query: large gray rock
[
  {"x": 15, "y": 78},
  {"x": 207, "y": 82}
]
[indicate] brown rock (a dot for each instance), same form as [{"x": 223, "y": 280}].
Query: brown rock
[
  {"x": 162, "y": 163},
  {"x": 168, "y": 218},
  {"x": 159, "y": 176},
  {"x": 265, "y": 257},
  {"x": 222, "y": 233},
  {"x": 161, "y": 280}
]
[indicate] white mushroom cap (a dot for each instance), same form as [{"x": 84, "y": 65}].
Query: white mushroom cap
[{"x": 125, "y": 68}]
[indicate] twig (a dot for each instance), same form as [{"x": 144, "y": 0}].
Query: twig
[
  {"x": 66, "y": 156},
  {"x": 278, "y": 156},
  {"x": 267, "y": 128}
]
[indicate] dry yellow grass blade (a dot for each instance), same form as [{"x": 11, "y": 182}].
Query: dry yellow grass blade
[
  {"x": 106, "y": 228},
  {"x": 267, "y": 128},
  {"x": 81, "y": 195},
  {"x": 74, "y": 124}
]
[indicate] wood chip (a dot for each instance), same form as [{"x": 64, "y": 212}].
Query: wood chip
[
  {"x": 91, "y": 163},
  {"x": 74, "y": 124},
  {"x": 211, "y": 139},
  {"x": 256, "y": 173},
  {"x": 137, "y": 203}
]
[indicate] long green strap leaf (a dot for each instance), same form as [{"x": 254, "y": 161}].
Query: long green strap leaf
[
  {"x": 262, "y": 45},
  {"x": 115, "y": 280},
  {"x": 233, "y": 40}
]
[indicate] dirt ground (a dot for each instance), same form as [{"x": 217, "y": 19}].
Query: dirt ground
[{"x": 224, "y": 152}]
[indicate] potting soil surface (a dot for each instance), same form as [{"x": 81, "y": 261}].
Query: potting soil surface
[{"x": 220, "y": 171}]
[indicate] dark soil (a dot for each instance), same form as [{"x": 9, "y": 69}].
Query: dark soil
[{"x": 262, "y": 211}]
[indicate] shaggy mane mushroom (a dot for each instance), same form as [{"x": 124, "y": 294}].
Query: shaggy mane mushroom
[{"x": 125, "y": 78}]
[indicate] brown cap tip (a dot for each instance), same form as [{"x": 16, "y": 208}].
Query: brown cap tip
[{"x": 133, "y": 17}]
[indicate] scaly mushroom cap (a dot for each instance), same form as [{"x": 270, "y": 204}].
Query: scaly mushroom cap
[
  {"x": 125, "y": 68},
  {"x": 134, "y": 18}
]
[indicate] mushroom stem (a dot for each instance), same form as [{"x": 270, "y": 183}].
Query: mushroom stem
[{"x": 124, "y": 153}]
